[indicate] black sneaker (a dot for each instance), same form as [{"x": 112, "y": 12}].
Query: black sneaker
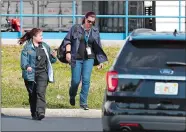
[
  {"x": 85, "y": 107},
  {"x": 34, "y": 117},
  {"x": 41, "y": 116},
  {"x": 72, "y": 101}
]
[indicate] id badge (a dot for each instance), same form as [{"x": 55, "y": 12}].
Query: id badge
[{"x": 88, "y": 50}]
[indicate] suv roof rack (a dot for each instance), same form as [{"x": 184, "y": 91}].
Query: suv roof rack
[{"x": 141, "y": 30}]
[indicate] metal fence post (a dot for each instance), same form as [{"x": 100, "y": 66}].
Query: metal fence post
[
  {"x": 126, "y": 18},
  {"x": 21, "y": 17},
  {"x": 179, "y": 15},
  {"x": 74, "y": 12}
]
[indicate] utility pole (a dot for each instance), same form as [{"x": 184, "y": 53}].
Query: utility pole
[{"x": 185, "y": 15}]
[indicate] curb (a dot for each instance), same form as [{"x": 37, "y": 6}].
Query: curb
[{"x": 92, "y": 113}]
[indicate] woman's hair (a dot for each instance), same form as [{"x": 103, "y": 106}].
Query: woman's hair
[
  {"x": 29, "y": 35},
  {"x": 88, "y": 14}
]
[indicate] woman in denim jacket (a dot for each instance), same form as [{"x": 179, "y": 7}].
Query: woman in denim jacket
[
  {"x": 36, "y": 59},
  {"x": 83, "y": 51}
]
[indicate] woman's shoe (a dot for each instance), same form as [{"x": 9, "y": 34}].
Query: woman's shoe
[
  {"x": 34, "y": 117},
  {"x": 72, "y": 101},
  {"x": 85, "y": 107},
  {"x": 38, "y": 116},
  {"x": 41, "y": 116}
]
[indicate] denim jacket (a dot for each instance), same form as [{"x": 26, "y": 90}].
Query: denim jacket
[
  {"x": 28, "y": 59},
  {"x": 73, "y": 38}
]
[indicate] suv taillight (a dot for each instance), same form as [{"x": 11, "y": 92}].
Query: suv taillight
[{"x": 112, "y": 80}]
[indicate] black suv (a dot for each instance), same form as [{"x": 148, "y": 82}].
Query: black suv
[{"x": 146, "y": 85}]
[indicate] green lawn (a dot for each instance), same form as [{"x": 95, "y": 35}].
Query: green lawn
[{"x": 14, "y": 93}]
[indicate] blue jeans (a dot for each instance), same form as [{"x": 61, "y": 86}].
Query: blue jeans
[{"x": 82, "y": 70}]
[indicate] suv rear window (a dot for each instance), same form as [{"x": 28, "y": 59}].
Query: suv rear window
[{"x": 151, "y": 53}]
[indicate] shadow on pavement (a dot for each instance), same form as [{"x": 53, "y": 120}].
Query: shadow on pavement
[{"x": 20, "y": 117}]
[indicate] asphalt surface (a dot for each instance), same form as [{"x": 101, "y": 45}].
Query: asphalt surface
[{"x": 25, "y": 123}]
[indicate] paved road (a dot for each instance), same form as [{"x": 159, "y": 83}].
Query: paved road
[{"x": 13, "y": 123}]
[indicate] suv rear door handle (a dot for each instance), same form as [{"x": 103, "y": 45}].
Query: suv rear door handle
[
  {"x": 166, "y": 102},
  {"x": 162, "y": 103}
]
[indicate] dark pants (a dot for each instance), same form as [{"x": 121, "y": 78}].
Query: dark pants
[
  {"x": 82, "y": 70},
  {"x": 36, "y": 91}
]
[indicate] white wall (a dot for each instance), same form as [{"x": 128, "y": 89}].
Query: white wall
[
  {"x": 57, "y": 42},
  {"x": 169, "y": 8}
]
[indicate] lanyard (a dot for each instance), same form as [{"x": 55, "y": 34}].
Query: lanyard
[{"x": 87, "y": 36}]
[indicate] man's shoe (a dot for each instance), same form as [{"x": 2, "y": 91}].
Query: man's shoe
[
  {"x": 72, "y": 101},
  {"x": 85, "y": 107}
]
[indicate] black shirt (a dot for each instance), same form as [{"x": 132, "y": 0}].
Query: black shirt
[
  {"x": 82, "y": 53},
  {"x": 41, "y": 60}
]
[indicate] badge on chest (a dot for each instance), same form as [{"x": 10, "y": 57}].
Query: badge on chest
[{"x": 88, "y": 49}]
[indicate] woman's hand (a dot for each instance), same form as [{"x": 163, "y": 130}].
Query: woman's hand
[
  {"x": 100, "y": 66},
  {"x": 29, "y": 69},
  {"x": 68, "y": 57}
]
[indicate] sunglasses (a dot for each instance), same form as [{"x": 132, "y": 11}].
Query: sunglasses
[{"x": 90, "y": 22}]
